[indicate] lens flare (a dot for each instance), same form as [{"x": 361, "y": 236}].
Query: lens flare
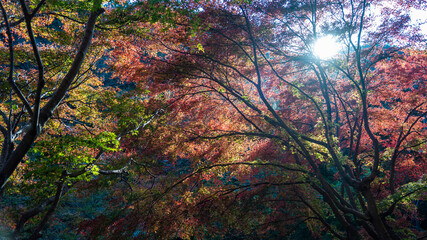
[{"x": 326, "y": 47}]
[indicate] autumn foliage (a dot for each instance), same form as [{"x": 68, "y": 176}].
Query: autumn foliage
[{"x": 224, "y": 124}]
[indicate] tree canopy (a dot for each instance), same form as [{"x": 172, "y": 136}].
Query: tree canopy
[{"x": 213, "y": 120}]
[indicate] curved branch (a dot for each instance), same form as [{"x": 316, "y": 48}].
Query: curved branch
[
  {"x": 400, "y": 139},
  {"x": 41, "y": 80},
  {"x": 12, "y": 62},
  {"x": 47, "y": 111}
]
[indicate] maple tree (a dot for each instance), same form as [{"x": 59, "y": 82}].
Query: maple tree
[
  {"x": 250, "y": 134},
  {"x": 60, "y": 125},
  {"x": 25, "y": 112},
  {"x": 43, "y": 82},
  {"x": 247, "y": 100}
]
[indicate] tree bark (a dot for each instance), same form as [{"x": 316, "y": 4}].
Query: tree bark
[{"x": 46, "y": 112}]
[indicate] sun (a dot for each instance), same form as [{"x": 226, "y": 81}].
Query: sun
[{"x": 326, "y": 47}]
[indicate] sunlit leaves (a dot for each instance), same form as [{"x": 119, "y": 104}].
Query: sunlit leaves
[
  {"x": 280, "y": 107},
  {"x": 246, "y": 132},
  {"x": 79, "y": 5},
  {"x": 55, "y": 154}
]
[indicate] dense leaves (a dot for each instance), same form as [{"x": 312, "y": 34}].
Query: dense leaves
[
  {"x": 224, "y": 123},
  {"x": 251, "y": 79}
]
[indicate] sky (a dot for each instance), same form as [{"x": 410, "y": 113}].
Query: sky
[
  {"x": 420, "y": 17},
  {"x": 327, "y": 46}
]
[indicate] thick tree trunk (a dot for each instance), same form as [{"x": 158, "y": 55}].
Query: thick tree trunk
[
  {"x": 375, "y": 218},
  {"x": 12, "y": 162}
]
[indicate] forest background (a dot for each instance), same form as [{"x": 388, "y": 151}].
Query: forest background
[{"x": 212, "y": 120}]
